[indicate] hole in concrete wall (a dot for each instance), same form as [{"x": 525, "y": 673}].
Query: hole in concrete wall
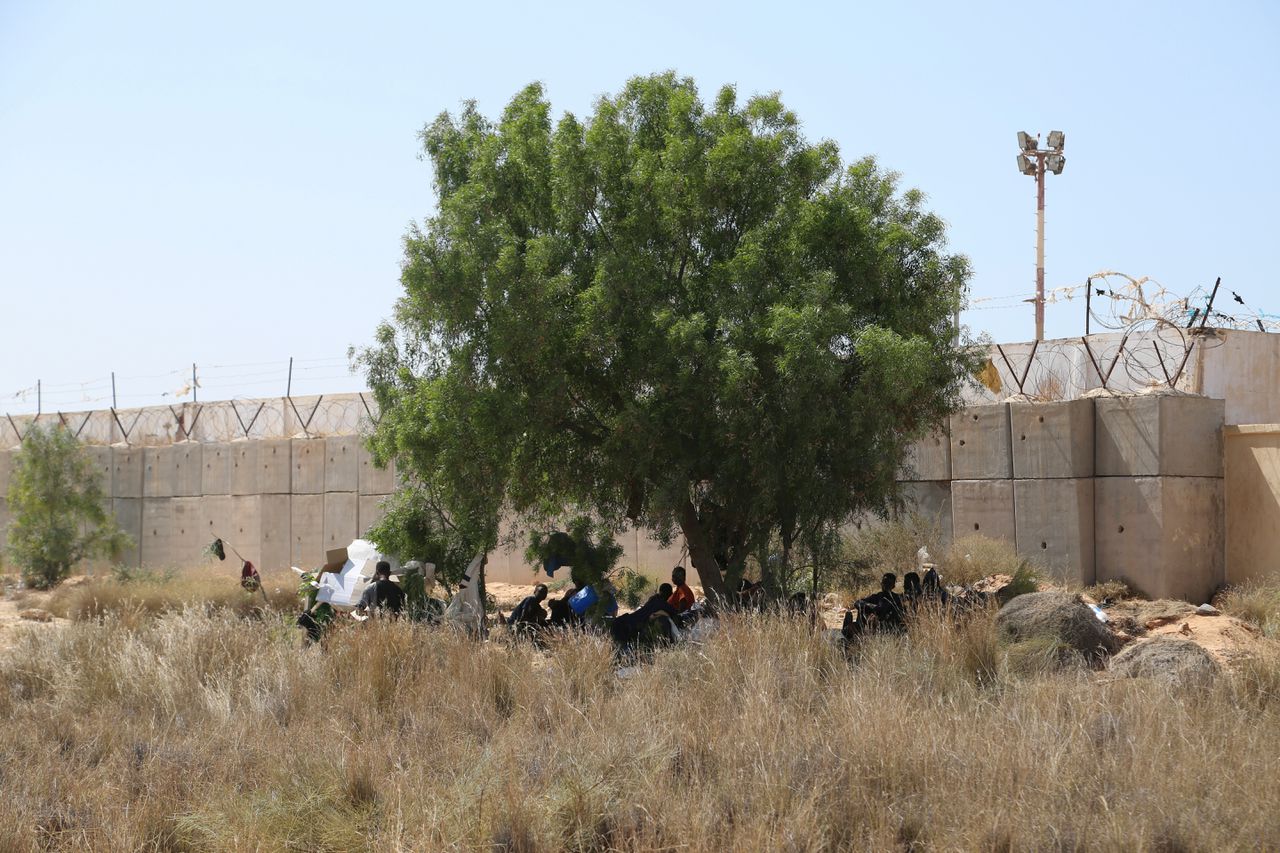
[
  {"x": 1121, "y": 529},
  {"x": 1044, "y": 546},
  {"x": 1042, "y": 419},
  {"x": 1024, "y": 438},
  {"x": 962, "y": 442},
  {"x": 975, "y": 525},
  {"x": 975, "y": 417}
]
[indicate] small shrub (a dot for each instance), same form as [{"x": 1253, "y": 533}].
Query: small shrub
[
  {"x": 631, "y": 586},
  {"x": 1257, "y": 602},
  {"x": 971, "y": 558},
  {"x": 885, "y": 546},
  {"x": 1112, "y": 590}
]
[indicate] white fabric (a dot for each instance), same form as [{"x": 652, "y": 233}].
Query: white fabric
[
  {"x": 465, "y": 609},
  {"x": 342, "y": 589}
]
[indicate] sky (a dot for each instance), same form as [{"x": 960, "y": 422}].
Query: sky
[{"x": 227, "y": 185}]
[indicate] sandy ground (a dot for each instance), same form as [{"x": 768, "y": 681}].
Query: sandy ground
[{"x": 13, "y": 606}]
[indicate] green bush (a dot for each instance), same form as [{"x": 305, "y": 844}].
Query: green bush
[{"x": 57, "y": 504}]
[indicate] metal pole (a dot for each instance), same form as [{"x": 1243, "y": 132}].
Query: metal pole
[
  {"x": 113, "y": 389},
  {"x": 1039, "y": 246},
  {"x": 193, "y": 382},
  {"x": 288, "y": 388},
  {"x": 1088, "y": 302},
  {"x": 39, "y": 399}
]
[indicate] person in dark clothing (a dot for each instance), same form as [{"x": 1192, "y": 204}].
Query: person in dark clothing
[
  {"x": 932, "y": 586},
  {"x": 383, "y": 594},
  {"x": 912, "y": 591},
  {"x": 886, "y": 605},
  {"x": 529, "y": 615},
  {"x": 627, "y": 628}
]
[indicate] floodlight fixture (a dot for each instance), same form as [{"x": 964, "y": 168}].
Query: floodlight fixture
[
  {"x": 1027, "y": 142},
  {"x": 1025, "y": 165},
  {"x": 1036, "y": 161},
  {"x": 1057, "y": 139},
  {"x": 1055, "y": 163}
]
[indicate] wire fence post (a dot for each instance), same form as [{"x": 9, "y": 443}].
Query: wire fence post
[
  {"x": 288, "y": 388},
  {"x": 194, "y": 398}
]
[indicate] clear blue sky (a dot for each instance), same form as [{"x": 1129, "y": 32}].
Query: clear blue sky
[{"x": 228, "y": 183}]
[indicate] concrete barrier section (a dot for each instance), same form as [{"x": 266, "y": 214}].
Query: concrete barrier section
[
  {"x": 128, "y": 515},
  {"x": 127, "y": 470},
  {"x": 983, "y": 507},
  {"x": 99, "y": 457},
  {"x": 188, "y": 469},
  {"x": 1054, "y": 526},
  {"x": 1161, "y": 535},
  {"x": 308, "y": 465},
  {"x": 980, "y": 444},
  {"x": 216, "y": 477},
  {"x": 272, "y": 518},
  {"x": 1052, "y": 440},
  {"x": 244, "y": 467},
  {"x": 4, "y": 523},
  {"x": 306, "y": 523},
  {"x": 6, "y": 470},
  {"x": 1252, "y": 484},
  {"x": 157, "y": 533},
  {"x": 928, "y": 459},
  {"x": 1159, "y": 435},
  {"x": 159, "y": 471},
  {"x": 341, "y": 519},
  {"x": 371, "y": 511},
  {"x": 342, "y": 463},
  {"x": 932, "y": 501},
  {"x": 375, "y": 480},
  {"x": 275, "y": 467},
  {"x": 189, "y": 525},
  {"x": 216, "y": 520}
]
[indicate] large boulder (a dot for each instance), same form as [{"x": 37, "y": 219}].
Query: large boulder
[
  {"x": 1059, "y": 618},
  {"x": 1173, "y": 660}
]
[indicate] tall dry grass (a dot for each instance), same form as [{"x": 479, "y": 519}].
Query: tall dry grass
[
  {"x": 202, "y": 731},
  {"x": 138, "y": 595},
  {"x": 1257, "y": 602}
]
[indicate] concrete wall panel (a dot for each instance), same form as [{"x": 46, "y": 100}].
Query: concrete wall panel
[
  {"x": 158, "y": 549},
  {"x": 6, "y": 471},
  {"x": 1054, "y": 524},
  {"x": 187, "y": 533},
  {"x": 127, "y": 470},
  {"x": 159, "y": 465},
  {"x": 375, "y": 480},
  {"x": 306, "y": 531},
  {"x": 216, "y": 520},
  {"x": 983, "y": 507},
  {"x": 128, "y": 515},
  {"x": 216, "y": 477},
  {"x": 1052, "y": 439},
  {"x": 980, "y": 447},
  {"x": 342, "y": 463},
  {"x": 275, "y": 525},
  {"x": 275, "y": 467},
  {"x": 4, "y": 525},
  {"x": 308, "y": 465},
  {"x": 929, "y": 458},
  {"x": 931, "y": 500},
  {"x": 371, "y": 512},
  {"x": 244, "y": 467},
  {"x": 188, "y": 469},
  {"x": 341, "y": 519},
  {"x": 99, "y": 456},
  {"x": 1158, "y": 435},
  {"x": 1252, "y": 500},
  {"x": 1162, "y": 535}
]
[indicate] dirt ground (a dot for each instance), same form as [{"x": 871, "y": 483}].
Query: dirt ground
[{"x": 24, "y": 610}]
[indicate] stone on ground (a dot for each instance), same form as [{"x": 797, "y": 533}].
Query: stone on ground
[
  {"x": 1059, "y": 617},
  {"x": 1175, "y": 661}
]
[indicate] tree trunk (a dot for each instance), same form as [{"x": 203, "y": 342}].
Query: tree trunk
[{"x": 701, "y": 552}]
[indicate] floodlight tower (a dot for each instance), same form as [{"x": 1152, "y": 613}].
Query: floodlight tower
[{"x": 1035, "y": 161}]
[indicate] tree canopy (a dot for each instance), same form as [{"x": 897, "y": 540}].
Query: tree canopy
[
  {"x": 678, "y": 314},
  {"x": 58, "y": 506}
]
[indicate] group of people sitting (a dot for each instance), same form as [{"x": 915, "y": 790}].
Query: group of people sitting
[{"x": 887, "y": 610}]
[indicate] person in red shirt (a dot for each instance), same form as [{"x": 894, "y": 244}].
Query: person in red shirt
[{"x": 681, "y": 597}]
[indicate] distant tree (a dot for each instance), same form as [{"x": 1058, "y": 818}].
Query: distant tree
[
  {"x": 57, "y": 507},
  {"x": 680, "y": 315}
]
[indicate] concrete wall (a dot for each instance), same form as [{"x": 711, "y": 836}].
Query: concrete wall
[{"x": 1252, "y": 497}]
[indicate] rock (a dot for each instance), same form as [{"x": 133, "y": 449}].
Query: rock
[
  {"x": 1207, "y": 610},
  {"x": 1058, "y": 616},
  {"x": 1172, "y": 660}
]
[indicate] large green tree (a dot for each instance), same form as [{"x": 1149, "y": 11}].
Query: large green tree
[
  {"x": 57, "y": 503},
  {"x": 681, "y": 314}
]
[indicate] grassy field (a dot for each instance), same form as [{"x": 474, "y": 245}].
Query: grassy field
[{"x": 212, "y": 728}]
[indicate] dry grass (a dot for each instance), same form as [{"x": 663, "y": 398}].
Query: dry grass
[
  {"x": 198, "y": 730},
  {"x": 139, "y": 595},
  {"x": 1257, "y": 602},
  {"x": 891, "y": 546}
]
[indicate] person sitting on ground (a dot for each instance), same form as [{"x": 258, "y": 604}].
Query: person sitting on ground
[
  {"x": 682, "y": 597},
  {"x": 626, "y": 628},
  {"x": 912, "y": 591},
  {"x": 886, "y": 605},
  {"x": 932, "y": 586},
  {"x": 529, "y": 614},
  {"x": 383, "y": 594},
  {"x": 749, "y": 594},
  {"x": 798, "y": 604}
]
